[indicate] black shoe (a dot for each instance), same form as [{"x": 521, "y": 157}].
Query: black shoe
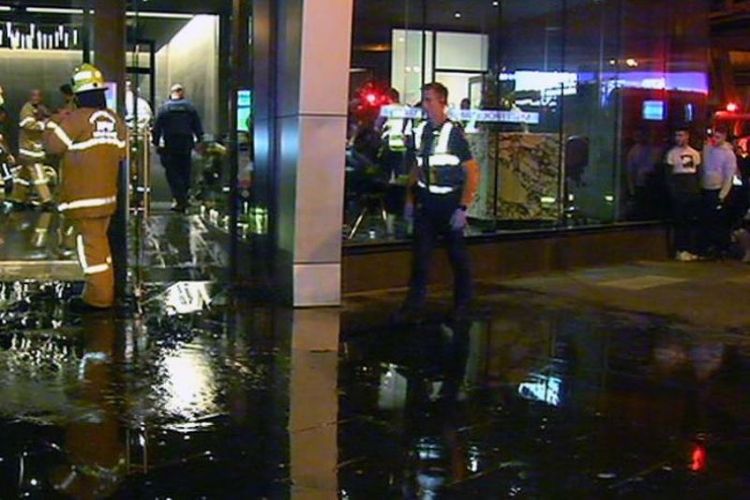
[{"x": 77, "y": 305}]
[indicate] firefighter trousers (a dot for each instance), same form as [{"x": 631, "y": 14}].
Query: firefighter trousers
[
  {"x": 95, "y": 258},
  {"x": 28, "y": 176},
  {"x": 6, "y": 178}
]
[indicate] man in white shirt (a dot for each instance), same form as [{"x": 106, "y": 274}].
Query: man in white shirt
[
  {"x": 684, "y": 193},
  {"x": 717, "y": 174}
]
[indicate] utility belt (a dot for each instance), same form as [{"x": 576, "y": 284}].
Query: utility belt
[
  {"x": 437, "y": 190},
  {"x": 421, "y": 192},
  {"x": 442, "y": 180}
]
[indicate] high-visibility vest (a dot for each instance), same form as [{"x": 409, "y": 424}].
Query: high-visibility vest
[
  {"x": 396, "y": 131},
  {"x": 446, "y": 174}
]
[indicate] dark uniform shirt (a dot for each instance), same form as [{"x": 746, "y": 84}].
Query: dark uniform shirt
[
  {"x": 458, "y": 146},
  {"x": 178, "y": 122}
]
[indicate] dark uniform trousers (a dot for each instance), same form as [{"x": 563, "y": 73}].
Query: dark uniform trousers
[
  {"x": 714, "y": 223},
  {"x": 431, "y": 220},
  {"x": 178, "y": 165},
  {"x": 95, "y": 257}
]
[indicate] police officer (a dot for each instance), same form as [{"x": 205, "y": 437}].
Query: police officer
[
  {"x": 442, "y": 186},
  {"x": 31, "y": 155},
  {"x": 92, "y": 142},
  {"x": 392, "y": 158},
  {"x": 179, "y": 124}
]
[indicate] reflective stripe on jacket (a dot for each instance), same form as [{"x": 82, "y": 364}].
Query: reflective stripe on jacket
[
  {"x": 92, "y": 143},
  {"x": 30, "y": 136},
  {"x": 396, "y": 131},
  {"x": 446, "y": 171}
]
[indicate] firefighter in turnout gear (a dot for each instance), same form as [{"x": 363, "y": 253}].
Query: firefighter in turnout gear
[
  {"x": 92, "y": 142},
  {"x": 30, "y": 174},
  {"x": 7, "y": 161},
  {"x": 442, "y": 185}
]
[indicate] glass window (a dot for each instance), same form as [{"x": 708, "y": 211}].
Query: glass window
[{"x": 552, "y": 96}]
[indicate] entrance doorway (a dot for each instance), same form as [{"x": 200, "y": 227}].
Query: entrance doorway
[{"x": 168, "y": 43}]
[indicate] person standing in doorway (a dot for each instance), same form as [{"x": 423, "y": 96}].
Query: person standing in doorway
[
  {"x": 31, "y": 156},
  {"x": 442, "y": 186},
  {"x": 684, "y": 192},
  {"x": 92, "y": 142},
  {"x": 179, "y": 125},
  {"x": 717, "y": 175}
]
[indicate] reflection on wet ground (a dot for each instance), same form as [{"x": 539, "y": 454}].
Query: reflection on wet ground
[
  {"x": 174, "y": 246},
  {"x": 165, "y": 247},
  {"x": 32, "y": 235},
  {"x": 204, "y": 397}
]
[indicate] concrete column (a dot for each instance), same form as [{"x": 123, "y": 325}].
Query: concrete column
[{"x": 301, "y": 136}]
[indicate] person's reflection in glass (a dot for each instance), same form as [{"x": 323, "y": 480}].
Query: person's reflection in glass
[
  {"x": 436, "y": 455},
  {"x": 395, "y": 133},
  {"x": 93, "y": 441}
]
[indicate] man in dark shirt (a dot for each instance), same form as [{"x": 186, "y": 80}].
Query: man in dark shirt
[
  {"x": 442, "y": 186},
  {"x": 180, "y": 126}
]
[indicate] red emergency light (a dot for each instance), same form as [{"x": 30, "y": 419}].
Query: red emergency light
[
  {"x": 371, "y": 98},
  {"x": 698, "y": 459},
  {"x": 732, "y": 107}
]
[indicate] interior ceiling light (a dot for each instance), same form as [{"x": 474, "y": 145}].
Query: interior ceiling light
[
  {"x": 22, "y": 36},
  {"x": 53, "y": 10},
  {"x": 495, "y": 3},
  {"x": 61, "y": 10},
  {"x": 457, "y": 15},
  {"x": 160, "y": 15}
]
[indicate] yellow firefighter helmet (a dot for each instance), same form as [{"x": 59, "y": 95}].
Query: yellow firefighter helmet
[{"x": 87, "y": 77}]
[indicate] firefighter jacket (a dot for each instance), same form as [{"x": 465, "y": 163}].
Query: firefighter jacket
[
  {"x": 30, "y": 135},
  {"x": 92, "y": 143},
  {"x": 4, "y": 148},
  {"x": 6, "y": 160}
]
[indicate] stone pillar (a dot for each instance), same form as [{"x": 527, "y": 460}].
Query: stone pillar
[{"x": 300, "y": 138}]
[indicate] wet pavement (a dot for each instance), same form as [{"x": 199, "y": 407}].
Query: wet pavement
[
  {"x": 622, "y": 382},
  {"x": 206, "y": 397}
]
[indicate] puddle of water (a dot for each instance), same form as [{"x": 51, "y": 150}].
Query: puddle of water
[{"x": 222, "y": 402}]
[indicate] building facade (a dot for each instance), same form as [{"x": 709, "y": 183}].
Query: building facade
[{"x": 568, "y": 106}]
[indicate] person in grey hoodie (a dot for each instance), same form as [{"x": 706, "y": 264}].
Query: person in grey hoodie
[{"x": 717, "y": 175}]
